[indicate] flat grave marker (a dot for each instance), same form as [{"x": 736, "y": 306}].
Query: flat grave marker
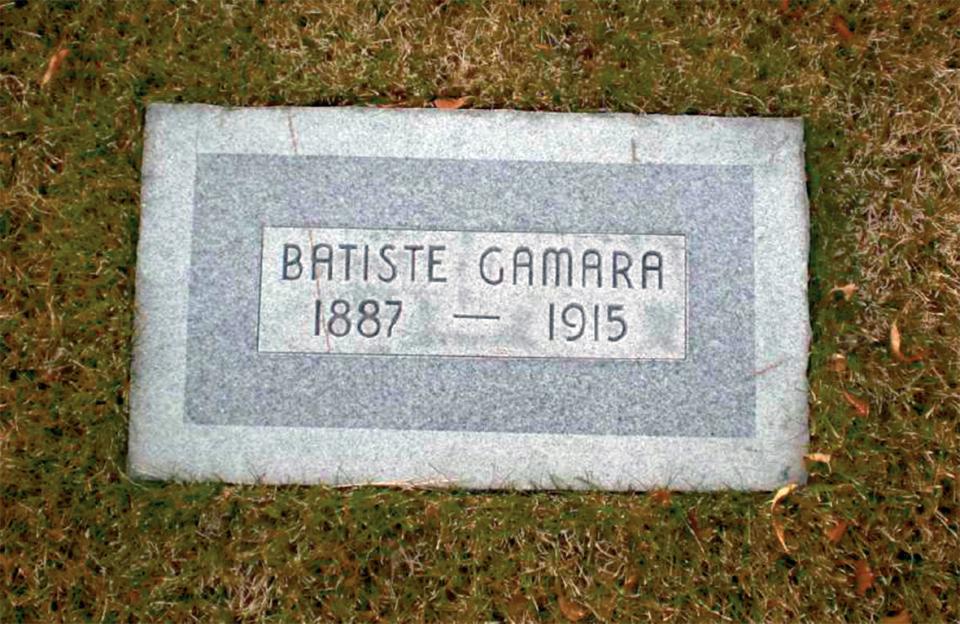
[{"x": 484, "y": 299}]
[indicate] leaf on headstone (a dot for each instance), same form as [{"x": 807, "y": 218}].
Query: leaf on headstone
[
  {"x": 846, "y": 290},
  {"x": 841, "y": 28},
  {"x": 450, "y": 103},
  {"x": 53, "y": 65},
  {"x": 903, "y": 617},
  {"x": 835, "y": 533},
  {"x": 571, "y": 610},
  {"x": 837, "y": 363},
  {"x": 863, "y": 577},
  {"x": 819, "y": 457},
  {"x": 862, "y": 407}
]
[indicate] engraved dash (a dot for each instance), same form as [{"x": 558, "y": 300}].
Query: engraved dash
[{"x": 478, "y": 317}]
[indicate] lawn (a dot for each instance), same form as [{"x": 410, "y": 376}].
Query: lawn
[{"x": 874, "y": 534}]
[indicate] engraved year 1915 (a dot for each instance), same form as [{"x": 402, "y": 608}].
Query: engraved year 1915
[{"x": 573, "y": 321}]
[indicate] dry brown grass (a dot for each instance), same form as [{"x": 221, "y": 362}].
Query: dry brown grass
[{"x": 878, "y": 87}]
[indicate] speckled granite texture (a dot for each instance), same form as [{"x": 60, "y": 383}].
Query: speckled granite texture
[{"x": 207, "y": 404}]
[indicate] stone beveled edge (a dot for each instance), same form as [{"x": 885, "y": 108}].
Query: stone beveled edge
[{"x": 163, "y": 446}]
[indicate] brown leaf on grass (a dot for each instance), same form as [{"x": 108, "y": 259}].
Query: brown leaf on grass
[
  {"x": 903, "y": 617},
  {"x": 661, "y": 496},
  {"x": 693, "y": 522},
  {"x": 53, "y": 65},
  {"x": 786, "y": 12},
  {"x": 837, "y": 363},
  {"x": 450, "y": 103},
  {"x": 632, "y": 581},
  {"x": 835, "y": 533},
  {"x": 862, "y": 407},
  {"x": 518, "y": 608},
  {"x": 781, "y": 494},
  {"x": 885, "y": 7},
  {"x": 916, "y": 357},
  {"x": 847, "y": 290},
  {"x": 863, "y": 577},
  {"x": 819, "y": 457},
  {"x": 571, "y": 610},
  {"x": 841, "y": 28},
  {"x": 778, "y": 530},
  {"x": 895, "y": 341},
  {"x": 895, "y": 347},
  {"x": 777, "y": 526}
]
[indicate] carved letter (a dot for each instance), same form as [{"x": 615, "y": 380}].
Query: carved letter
[
  {"x": 621, "y": 271},
  {"x": 289, "y": 262},
  {"x": 328, "y": 260},
  {"x": 649, "y": 266},
  {"x": 483, "y": 273}
]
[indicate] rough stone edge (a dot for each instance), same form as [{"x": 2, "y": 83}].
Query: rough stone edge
[{"x": 165, "y": 447}]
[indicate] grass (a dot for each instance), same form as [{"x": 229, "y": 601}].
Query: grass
[{"x": 879, "y": 89}]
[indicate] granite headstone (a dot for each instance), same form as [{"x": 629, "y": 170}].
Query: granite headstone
[{"x": 484, "y": 299}]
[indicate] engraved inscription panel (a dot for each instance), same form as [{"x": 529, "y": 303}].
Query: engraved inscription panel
[{"x": 465, "y": 293}]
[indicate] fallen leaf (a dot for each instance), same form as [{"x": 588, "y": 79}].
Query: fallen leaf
[
  {"x": 449, "y": 103},
  {"x": 693, "y": 522},
  {"x": 631, "y": 583},
  {"x": 819, "y": 457},
  {"x": 895, "y": 347},
  {"x": 571, "y": 610},
  {"x": 661, "y": 496},
  {"x": 862, "y": 407},
  {"x": 847, "y": 290},
  {"x": 916, "y": 357},
  {"x": 519, "y": 608},
  {"x": 53, "y": 66},
  {"x": 863, "y": 577},
  {"x": 841, "y": 28},
  {"x": 777, "y": 526},
  {"x": 778, "y": 530},
  {"x": 837, "y": 363},
  {"x": 903, "y": 617},
  {"x": 835, "y": 533},
  {"x": 895, "y": 341},
  {"x": 781, "y": 494}
]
